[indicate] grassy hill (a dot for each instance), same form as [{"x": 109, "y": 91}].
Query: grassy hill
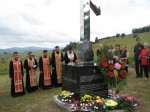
[
  {"x": 128, "y": 40},
  {"x": 41, "y": 101}
]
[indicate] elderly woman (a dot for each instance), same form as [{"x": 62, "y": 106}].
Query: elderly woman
[
  {"x": 99, "y": 50},
  {"x": 144, "y": 60}
]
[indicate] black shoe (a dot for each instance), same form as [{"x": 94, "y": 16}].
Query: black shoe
[{"x": 137, "y": 77}]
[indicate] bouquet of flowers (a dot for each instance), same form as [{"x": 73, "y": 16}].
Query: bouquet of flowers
[
  {"x": 112, "y": 69},
  {"x": 127, "y": 102},
  {"x": 66, "y": 97},
  {"x": 88, "y": 103}
]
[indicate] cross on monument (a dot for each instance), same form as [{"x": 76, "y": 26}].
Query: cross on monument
[
  {"x": 85, "y": 45},
  {"x": 85, "y": 18}
]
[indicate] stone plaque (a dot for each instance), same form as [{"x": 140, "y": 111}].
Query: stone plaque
[{"x": 84, "y": 80}]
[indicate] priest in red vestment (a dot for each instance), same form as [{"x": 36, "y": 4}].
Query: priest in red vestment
[
  {"x": 16, "y": 76},
  {"x": 45, "y": 71},
  {"x": 30, "y": 64}
]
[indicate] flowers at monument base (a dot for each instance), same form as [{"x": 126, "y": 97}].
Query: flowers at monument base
[
  {"x": 98, "y": 104},
  {"x": 110, "y": 103},
  {"x": 112, "y": 68},
  {"x": 66, "y": 96},
  {"x": 88, "y": 102},
  {"x": 127, "y": 102}
]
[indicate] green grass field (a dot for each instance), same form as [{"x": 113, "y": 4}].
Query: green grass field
[{"x": 41, "y": 100}]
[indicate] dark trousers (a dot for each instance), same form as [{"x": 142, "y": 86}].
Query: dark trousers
[
  {"x": 148, "y": 65},
  {"x": 126, "y": 69},
  {"x": 145, "y": 68},
  {"x": 138, "y": 68}
]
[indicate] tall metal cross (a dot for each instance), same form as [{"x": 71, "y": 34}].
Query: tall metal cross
[
  {"x": 85, "y": 51},
  {"x": 85, "y": 18}
]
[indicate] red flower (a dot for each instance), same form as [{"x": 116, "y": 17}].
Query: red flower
[
  {"x": 104, "y": 65},
  {"x": 111, "y": 74},
  {"x": 119, "y": 78},
  {"x": 100, "y": 103},
  {"x": 122, "y": 66},
  {"x": 107, "y": 55},
  {"x": 111, "y": 67},
  {"x": 120, "y": 72},
  {"x": 103, "y": 60},
  {"x": 125, "y": 73},
  {"x": 77, "y": 102}
]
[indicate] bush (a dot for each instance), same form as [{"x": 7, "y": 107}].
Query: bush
[{"x": 135, "y": 36}]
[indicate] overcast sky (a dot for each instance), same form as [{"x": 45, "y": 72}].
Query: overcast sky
[{"x": 47, "y": 23}]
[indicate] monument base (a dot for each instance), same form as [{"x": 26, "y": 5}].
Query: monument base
[
  {"x": 61, "y": 104},
  {"x": 84, "y": 80}
]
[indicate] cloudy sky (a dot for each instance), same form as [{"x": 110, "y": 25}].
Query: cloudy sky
[{"x": 47, "y": 23}]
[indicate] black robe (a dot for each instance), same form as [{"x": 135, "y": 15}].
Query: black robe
[
  {"x": 54, "y": 74},
  {"x": 67, "y": 60},
  {"x": 41, "y": 78},
  {"x": 11, "y": 75},
  {"x": 26, "y": 66}
]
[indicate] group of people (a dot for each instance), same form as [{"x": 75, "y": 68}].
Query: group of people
[
  {"x": 141, "y": 57},
  {"x": 46, "y": 79},
  {"x": 120, "y": 52}
]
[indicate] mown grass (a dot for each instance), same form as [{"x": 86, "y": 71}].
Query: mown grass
[{"x": 41, "y": 100}]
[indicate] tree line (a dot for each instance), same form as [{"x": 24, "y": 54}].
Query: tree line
[
  {"x": 141, "y": 30},
  {"x": 135, "y": 31}
]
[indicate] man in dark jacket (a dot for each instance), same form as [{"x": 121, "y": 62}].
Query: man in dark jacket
[{"x": 137, "y": 49}]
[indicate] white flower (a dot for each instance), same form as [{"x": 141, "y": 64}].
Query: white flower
[
  {"x": 69, "y": 100},
  {"x": 104, "y": 107},
  {"x": 90, "y": 104},
  {"x": 72, "y": 93},
  {"x": 72, "y": 106},
  {"x": 62, "y": 100},
  {"x": 95, "y": 107}
]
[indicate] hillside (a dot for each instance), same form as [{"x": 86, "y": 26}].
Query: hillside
[
  {"x": 128, "y": 40},
  {"x": 24, "y": 49}
]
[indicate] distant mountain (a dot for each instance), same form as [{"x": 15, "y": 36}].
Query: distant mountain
[{"x": 18, "y": 49}]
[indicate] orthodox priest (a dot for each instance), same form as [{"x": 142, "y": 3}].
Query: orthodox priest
[
  {"x": 30, "y": 64},
  {"x": 57, "y": 60},
  {"x": 16, "y": 76},
  {"x": 70, "y": 57},
  {"x": 45, "y": 72}
]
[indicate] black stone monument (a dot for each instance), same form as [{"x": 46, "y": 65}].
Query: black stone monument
[{"x": 84, "y": 80}]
